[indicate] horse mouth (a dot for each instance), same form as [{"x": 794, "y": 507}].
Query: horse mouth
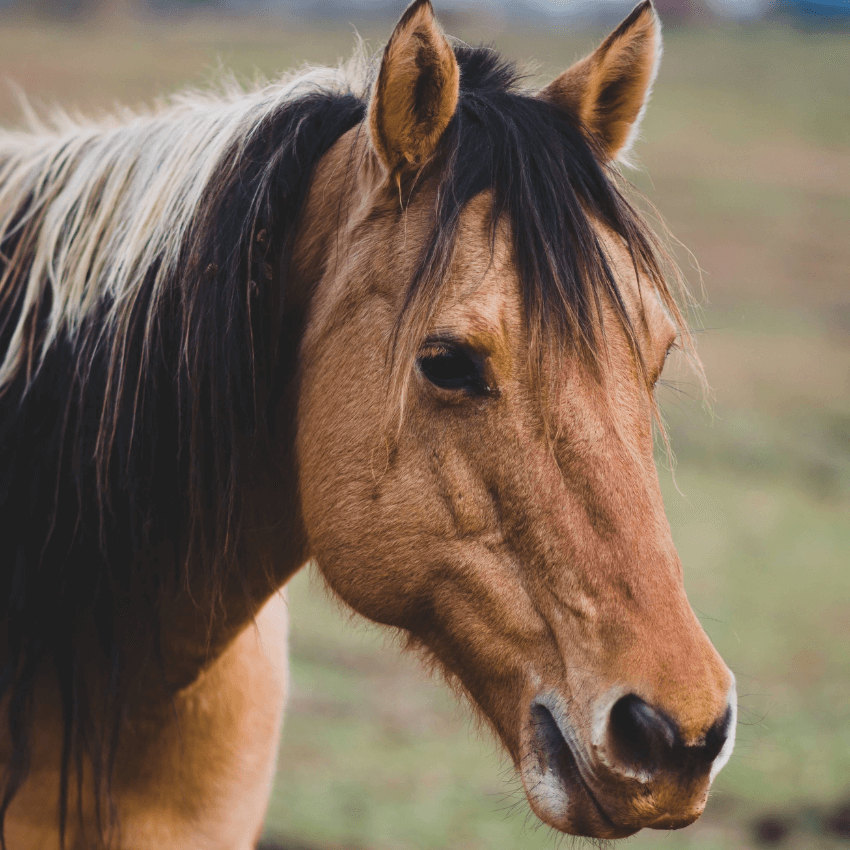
[{"x": 559, "y": 793}]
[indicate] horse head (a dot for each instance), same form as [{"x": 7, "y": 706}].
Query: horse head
[{"x": 475, "y": 419}]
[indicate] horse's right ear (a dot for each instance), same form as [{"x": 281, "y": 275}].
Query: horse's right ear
[
  {"x": 609, "y": 89},
  {"x": 416, "y": 93}
]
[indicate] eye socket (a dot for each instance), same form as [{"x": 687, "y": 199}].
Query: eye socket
[{"x": 453, "y": 367}]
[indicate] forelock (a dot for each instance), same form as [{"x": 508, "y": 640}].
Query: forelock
[{"x": 548, "y": 183}]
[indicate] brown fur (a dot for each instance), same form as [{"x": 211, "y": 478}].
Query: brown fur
[{"x": 517, "y": 536}]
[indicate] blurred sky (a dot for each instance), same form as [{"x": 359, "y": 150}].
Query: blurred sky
[
  {"x": 592, "y": 12},
  {"x": 570, "y": 9}
]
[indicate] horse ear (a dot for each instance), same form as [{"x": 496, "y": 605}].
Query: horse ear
[
  {"x": 609, "y": 89},
  {"x": 416, "y": 93}
]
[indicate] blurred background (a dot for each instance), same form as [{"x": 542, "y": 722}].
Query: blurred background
[{"x": 746, "y": 152}]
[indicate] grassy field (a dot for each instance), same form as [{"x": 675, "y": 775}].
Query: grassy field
[{"x": 747, "y": 153}]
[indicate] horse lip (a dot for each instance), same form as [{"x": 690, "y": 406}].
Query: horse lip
[
  {"x": 572, "y": 775},
  {"x": 600, "y": 810}
]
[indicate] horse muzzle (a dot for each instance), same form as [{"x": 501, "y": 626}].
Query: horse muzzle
[{"x": 630, "y": 770}]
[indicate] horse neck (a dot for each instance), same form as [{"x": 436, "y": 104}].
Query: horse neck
[
  {"x": 199, "y": 627},
  {"x": 274, "y": 543}
]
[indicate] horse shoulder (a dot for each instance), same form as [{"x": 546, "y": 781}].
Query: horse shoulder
[{"x": 196, "y": 772}]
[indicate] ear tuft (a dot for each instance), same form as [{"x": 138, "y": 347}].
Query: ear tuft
[
  {"x": 609, "y": 89},
  {"x": 416, "y": 93}
]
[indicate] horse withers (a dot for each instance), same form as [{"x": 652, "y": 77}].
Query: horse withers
[{"x": 403, "y": 322}]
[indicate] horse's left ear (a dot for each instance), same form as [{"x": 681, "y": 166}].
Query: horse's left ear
[
  {"x": 416, "y": 93},
  {"x": 609, "y": 89}
]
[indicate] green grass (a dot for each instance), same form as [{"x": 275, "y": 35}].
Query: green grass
[{"x": 747, "y": 154}]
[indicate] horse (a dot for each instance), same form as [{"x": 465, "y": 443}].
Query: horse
[{"x": 399, "y": 318}]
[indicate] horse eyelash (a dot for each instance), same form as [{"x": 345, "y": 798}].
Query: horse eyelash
[{"x": 437, "y": 348}]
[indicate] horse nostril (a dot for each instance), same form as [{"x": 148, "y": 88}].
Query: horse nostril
[
  {"x": 718, "y": 735},
  {"x": 641, "y": 734},
  {"x": 646, "y": 737}
]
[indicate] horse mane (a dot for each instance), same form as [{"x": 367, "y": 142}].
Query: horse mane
[{"x": 140, "y": 259}]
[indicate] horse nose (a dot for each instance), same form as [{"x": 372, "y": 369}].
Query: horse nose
[{"x": 647, "y": 739}]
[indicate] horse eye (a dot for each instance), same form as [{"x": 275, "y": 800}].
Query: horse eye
[
  {"x": 452, "y": 368},
  {"x": 673, "y": 346}
]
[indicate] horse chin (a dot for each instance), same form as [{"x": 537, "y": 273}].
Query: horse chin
[{"x": 570, "y": 807}]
